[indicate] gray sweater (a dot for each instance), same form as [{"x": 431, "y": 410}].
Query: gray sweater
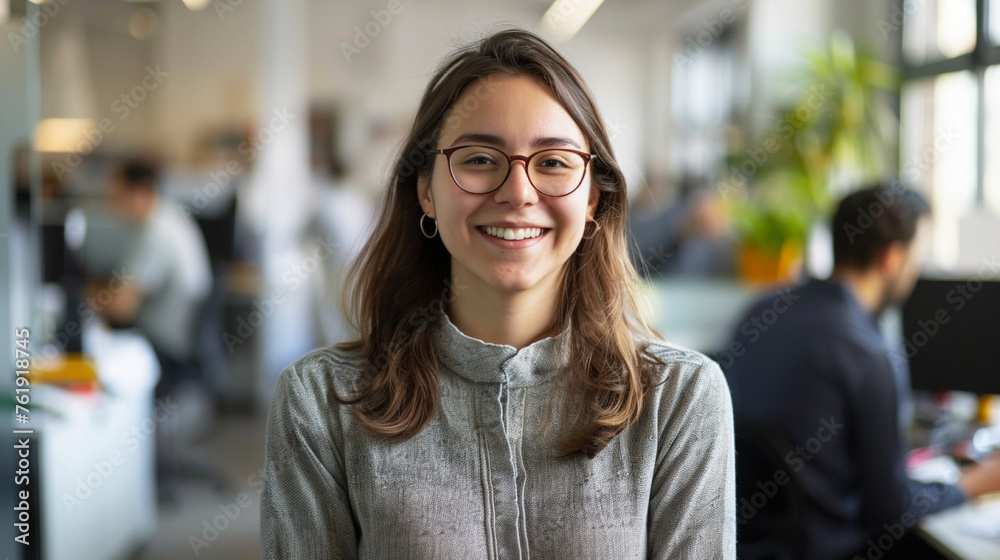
[{"x": 483, "y": 479}]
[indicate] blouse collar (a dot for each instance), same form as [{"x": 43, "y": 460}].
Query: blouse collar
[{"x": 485, "y": 362}]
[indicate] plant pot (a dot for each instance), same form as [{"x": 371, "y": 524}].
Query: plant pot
[{"x": 759, "y": 267}]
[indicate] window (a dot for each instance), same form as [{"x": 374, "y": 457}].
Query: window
[
  {"x": 939, "y": 29},
  {"x": 707, "y": 88},
  {"x": 994, "y": 13},
  {"x": 991, "y": 174},
  {"x": 950, "y": 113}
]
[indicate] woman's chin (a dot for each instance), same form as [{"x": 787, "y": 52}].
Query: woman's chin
[{"x": 513, "y": 283}]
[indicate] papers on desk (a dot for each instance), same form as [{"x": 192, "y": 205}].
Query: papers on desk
[
  {"x": 938, "y": 469},
  {"x": 983, "y": 521}
]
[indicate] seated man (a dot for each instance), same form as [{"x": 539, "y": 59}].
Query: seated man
[
  {"x": 165, "y": 269},
  {"x": 811, "y": 375}
]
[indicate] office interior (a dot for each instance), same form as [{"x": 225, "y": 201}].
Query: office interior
[{"x": 737, "y": 122}]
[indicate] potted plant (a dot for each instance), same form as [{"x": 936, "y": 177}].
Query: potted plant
[{"x": 832, "y": 138}]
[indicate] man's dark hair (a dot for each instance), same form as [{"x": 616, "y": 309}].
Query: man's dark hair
[
  {"x": 138, "y": 173},
  {"x": 871, "y": 219}
]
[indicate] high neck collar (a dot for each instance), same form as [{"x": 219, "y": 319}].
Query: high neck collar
[{"x": 485, "y": 362}]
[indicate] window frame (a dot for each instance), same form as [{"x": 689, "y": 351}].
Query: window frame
[{"x": 983, "y": 55}]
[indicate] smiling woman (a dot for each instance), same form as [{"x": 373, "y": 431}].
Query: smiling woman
[{"x": 531, "y": 413}]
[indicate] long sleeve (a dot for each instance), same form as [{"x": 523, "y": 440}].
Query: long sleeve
[
  {"x": 305, "y": 508},
  {"x": 482, "y": 480},
  {"x": 692, "y": 509}
]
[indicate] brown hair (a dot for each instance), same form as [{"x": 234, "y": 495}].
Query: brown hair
[{"x": 400, "y": 282}]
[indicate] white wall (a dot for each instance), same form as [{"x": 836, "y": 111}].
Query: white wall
[
  {"x": 380, "y": 87},
  {"x": 778, "y": 32},
  {"x": 624, "y": 53},
  {"x": 212, "y": 59}
]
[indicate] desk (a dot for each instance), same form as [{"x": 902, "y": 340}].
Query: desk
[
  {"x": 698, "y": 313},
  {"x": 93, "y": 508},
  {"x": 946, "y": 532}
]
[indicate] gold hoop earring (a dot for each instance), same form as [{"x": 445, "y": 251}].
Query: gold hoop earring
[
  {"x": 424, "y": 231},
  {"x": 597, "y": 228}
]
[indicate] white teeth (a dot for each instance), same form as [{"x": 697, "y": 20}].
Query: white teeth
[{"x": 512, "y": 234}]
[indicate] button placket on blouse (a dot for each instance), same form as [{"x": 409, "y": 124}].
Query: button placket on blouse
[
  {"x": 503, "y": 476},
  {"x": 515, "y": 439}
]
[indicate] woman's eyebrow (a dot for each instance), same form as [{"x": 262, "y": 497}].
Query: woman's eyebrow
[
  {"x": 478, "y": 137},
  {"x": 492, "y": 139},
  {"x": 550, "y": 141}
]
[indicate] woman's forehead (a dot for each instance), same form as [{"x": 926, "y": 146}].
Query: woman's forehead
[{"x": 515, "y": 110}]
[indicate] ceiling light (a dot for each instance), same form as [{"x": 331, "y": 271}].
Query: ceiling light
[
  {"x": 564, "y": 18},
  {"x": 143, "y": 23},
  {"x": 195, "y": 5},
  {"x": 66, "y": 135}
]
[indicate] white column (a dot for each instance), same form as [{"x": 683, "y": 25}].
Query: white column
[{"x": 281, "y": 183}]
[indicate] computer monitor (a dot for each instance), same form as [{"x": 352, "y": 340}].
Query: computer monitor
[
  {"x": 951, "y": 331},
  {"x": 53, "y": 253}
]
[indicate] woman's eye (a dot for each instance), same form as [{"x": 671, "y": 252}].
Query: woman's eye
[
  {"x": 479, "y": 160},
  {"x": 552, "y": 162}
]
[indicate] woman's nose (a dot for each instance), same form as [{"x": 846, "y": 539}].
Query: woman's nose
[{"x": 517, "y": 189}]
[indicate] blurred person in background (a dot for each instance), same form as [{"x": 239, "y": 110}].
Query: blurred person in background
[
  {"x": 815, "y": 386},
  {"x": 164, "y": 275},
  {"x": 506, "y": 397},
  {"x": 343, "y": 218},
  {"x": 691, "y": 236}
]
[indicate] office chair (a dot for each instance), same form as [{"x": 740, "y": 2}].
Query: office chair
[
  {"x": 775, "y": 530},
  {"x": 175, "y": 461}
]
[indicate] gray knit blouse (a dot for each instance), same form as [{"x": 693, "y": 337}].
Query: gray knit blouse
[{"x": 483, "y": 480}]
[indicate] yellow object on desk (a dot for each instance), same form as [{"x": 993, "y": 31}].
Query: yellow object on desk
[
  {"x": 67, "y": 369},
  {"x": 983, "y": 414}
]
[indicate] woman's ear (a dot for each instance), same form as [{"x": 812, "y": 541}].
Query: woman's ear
[
  {"x": 595, "y": 198},
  {"x": 424, "y": 196}
]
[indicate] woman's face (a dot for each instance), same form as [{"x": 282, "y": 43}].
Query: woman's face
[{"x": 520, "y": 116}]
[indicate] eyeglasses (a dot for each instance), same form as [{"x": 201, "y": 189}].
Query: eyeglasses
[{"x": 481, "y": 170}]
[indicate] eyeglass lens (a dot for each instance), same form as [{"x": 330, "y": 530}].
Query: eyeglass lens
[{"x": 479, "y": 169}]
